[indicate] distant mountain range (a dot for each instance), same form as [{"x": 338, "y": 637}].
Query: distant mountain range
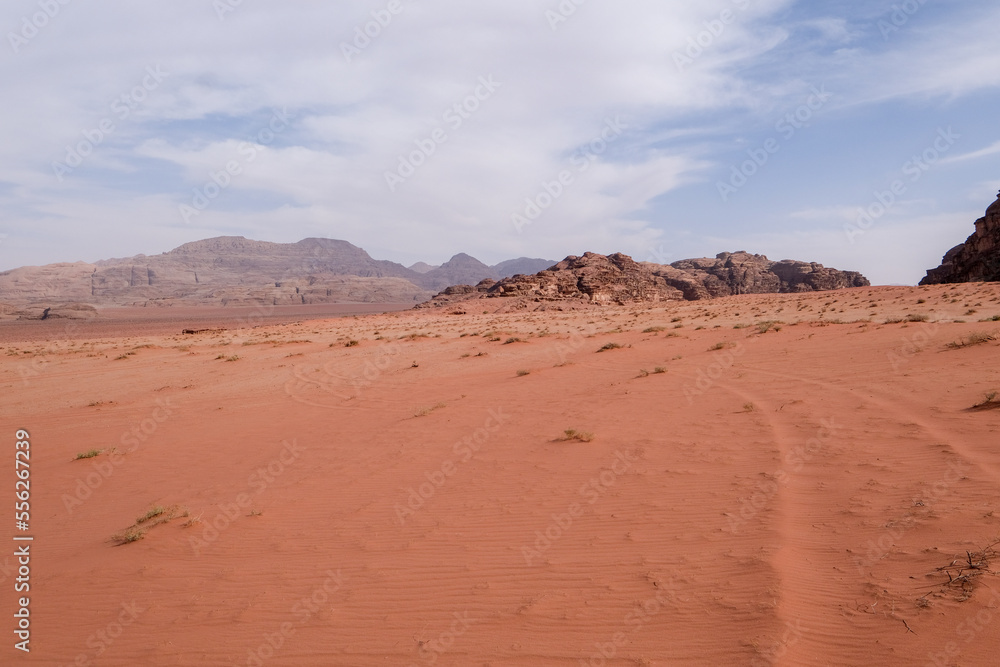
[{"x": 233, "y": 270}]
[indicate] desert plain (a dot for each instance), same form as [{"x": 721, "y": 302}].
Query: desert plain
[{"x": 775, "y": 479}]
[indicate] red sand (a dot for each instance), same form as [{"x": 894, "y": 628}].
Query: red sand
[{"x": 785, "y": 499}]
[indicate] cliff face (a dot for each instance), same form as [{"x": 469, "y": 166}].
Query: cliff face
[
  {"x": 976, "y": 260},
  {"x": 595, "y": 279}
]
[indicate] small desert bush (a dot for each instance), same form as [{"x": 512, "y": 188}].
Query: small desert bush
[
  {"x": 976, "y": 338},
  {"x": 609, "y": 346},
  {"x": 235, "y": 357},
  {"x": 351, "y": 343},
  {"x": 154, "y": 512},
  {"x": 719, "y": 346},
  {"x": 523, "y": 372},
  {"x": 88, "y": 454},
  {"x": 659, "y": 369},
  {"x": 512, "y": 339},
  {"x": 581, "y": 436},
  {"x": 128, "y": 535},
  {"x": 916, "y": 317},
  {"x": 653, "y": 329},
  {"x": 423, "y": 412}
]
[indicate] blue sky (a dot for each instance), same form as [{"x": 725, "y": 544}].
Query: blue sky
[{"x": 543, "y": 128}]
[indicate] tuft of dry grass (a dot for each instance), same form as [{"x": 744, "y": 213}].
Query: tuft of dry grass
[
  {"x": 523, "y": 372},
  {"x": 989, "y": 402},
  {"x": 158, "y": 510},
  {"x": 155, "y": 516},
  {"x": 423, "y": 412},
  {"x": 129, "y": 535},
  {"x": 88, "y": 454},
  {"x": 609, "y": 346},
  {"x": 975, "y": 338},
  {"x": 580, "y": 436},
  {"x": 964, "y": 572}
]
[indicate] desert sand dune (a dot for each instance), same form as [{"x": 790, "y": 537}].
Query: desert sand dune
[{"x": 754, "y": 480}]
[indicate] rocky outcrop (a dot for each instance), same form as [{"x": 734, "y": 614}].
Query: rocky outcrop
[
  {"x": 61, "y": 311},
  {"x": 976, "y": 260},
  {"x": 595, "y": 279},
  {"x": 744, "y": 273}
]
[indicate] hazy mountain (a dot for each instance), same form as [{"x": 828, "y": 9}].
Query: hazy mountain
[{"x": 229, "y": 270}]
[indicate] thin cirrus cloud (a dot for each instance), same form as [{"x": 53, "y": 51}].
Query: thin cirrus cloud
[{"x": 694, "y": 90}]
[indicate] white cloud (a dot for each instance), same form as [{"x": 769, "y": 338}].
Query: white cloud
[
  {"x": 324, "y": 174},
  {"x": 992, "y": 149}
]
